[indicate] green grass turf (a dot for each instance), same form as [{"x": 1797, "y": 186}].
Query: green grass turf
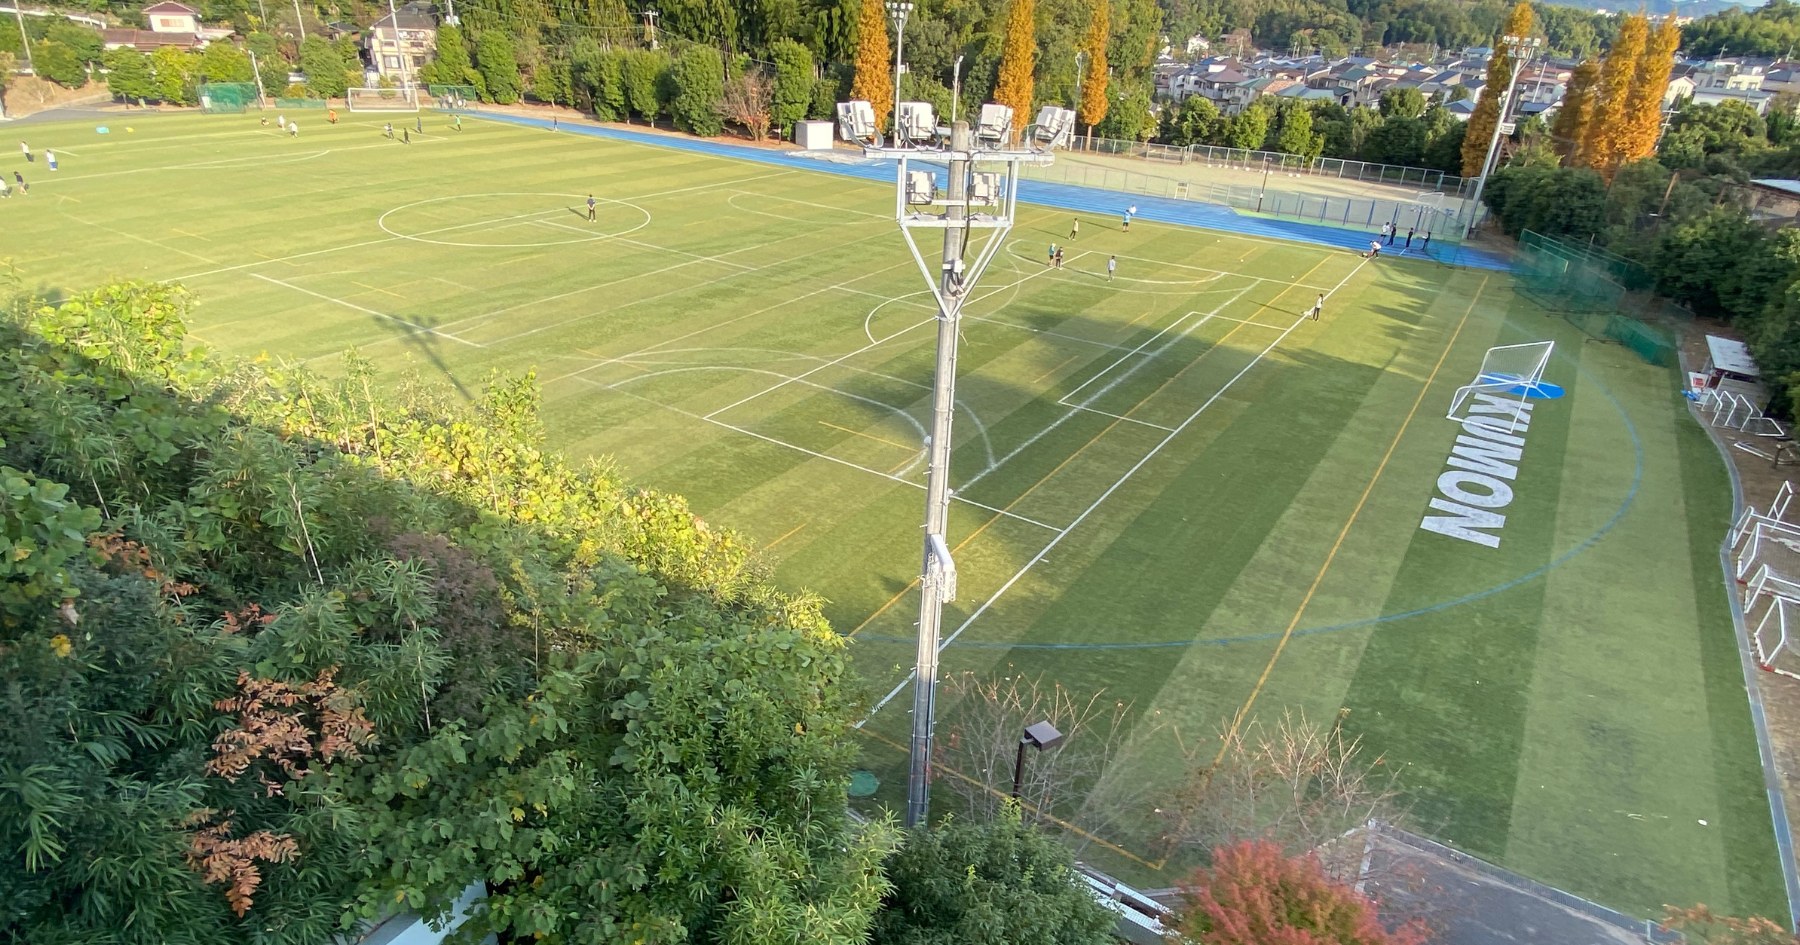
[{"x": 756, "y": 338}]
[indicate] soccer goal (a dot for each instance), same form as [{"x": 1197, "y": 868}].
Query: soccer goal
[
  {"x": 1509, "y": 371},
  {"x": 381, "y": 100},
  {"x": 454, "y": 97},
  {"x": 1773, "y": 637}
]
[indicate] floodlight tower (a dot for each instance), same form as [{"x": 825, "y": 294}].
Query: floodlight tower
[
  {"x": 1522, "y": 48},
  {"x": 982, "y": 174}
]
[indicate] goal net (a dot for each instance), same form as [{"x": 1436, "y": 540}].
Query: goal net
[
  {"x": 1512, "y": 372},
  {"x": 381, "y": 100},
  {"x": 227, "y": 97},
  {"x": 453, "y": 97}
]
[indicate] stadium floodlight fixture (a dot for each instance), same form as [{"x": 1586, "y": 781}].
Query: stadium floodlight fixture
[
  {"x": 897, "y": 11},
  {"x": 856, "y": 123},
  {"x": 978, "y": 193},
  {"x": 914, "y": 124},
  {"x": 994, "y": 125},
  {"x": 1054, "y": 128}
]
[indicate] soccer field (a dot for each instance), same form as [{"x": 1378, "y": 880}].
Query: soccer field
[{"x": 1170, "y": 487}]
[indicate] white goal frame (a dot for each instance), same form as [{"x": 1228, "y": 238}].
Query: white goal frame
[
  {"x": 1771, "y": 637},
  {"x": 1503, "y": 368},
  {"x": 381, "y": 100}
]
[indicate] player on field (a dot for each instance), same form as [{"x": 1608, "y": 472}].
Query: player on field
[
  {"x": 1374, "y": 250},
  {"x": 591, "y": 205},
  {"x": 406, "y": 136},
  {"x": 1075, "y": 228},
  {"x": 1059, "y": 257},
  {"x": 50, "y": 158},
  {"x": 27, "y": 149},
  {"x": 19, "y": 179},
  {"x": 331, "y": 115},
  {"x": 5, "y": 188},
  {"x": 388, "y": 129},
  {"x": 457, "y": 123},
  {"x": 1318, "y": 307},
  {"x": 1050, "y": 259},
  {"x": 419, "y": 124},
  {"x": 1112, "y": 263},
  {"x": 293, "y": 129}
]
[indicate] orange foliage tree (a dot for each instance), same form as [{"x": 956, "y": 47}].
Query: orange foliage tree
[
  {"x": 1609, "y": 133},
  {"x": 874, "y": 82},
  {"x": 1253, "y": 894},
  {"x": 1643, "y": 107},
  {"x": 1017, "y": 61},
  {"x": 1570, "y": 131},
  {"x": 1092, "y": 107}
]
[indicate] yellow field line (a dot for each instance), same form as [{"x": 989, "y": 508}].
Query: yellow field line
[
  {"x": 378, "y": 289},
  {"x": 1053, "y": 370},
  {"x": 1140, "y": 318},
  {"x": 771, "y": 545},
  {"x": 1033, "y": 809},
  {"x": 1243, "y": 712},
  {"x": 868, "y": 436},
  {"x": 194, "y": 235}
]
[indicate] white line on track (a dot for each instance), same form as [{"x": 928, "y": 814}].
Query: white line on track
[{"x": 369, "y": 311}]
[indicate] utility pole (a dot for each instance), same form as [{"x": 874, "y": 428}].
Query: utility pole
[
  {"x": 24, "y": 37},
  {"x": 261, "y": 98},
  {"x": 937, "y": 482},
  {"x": 650, "y": 27},
  {"x": 897, "y": 11},
  {"x": 299, "y": 21}
]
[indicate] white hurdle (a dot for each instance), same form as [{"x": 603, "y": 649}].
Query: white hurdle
[
  {"x": 1774, "y": 623},
  {"x": 1760, "y": 527},
  {"x": 1779, "y": 505},
  {"x": 1766, "y": 583}
]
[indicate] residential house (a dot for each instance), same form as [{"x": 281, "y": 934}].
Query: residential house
[
  {"x": 1782, "y": 77},
  {"x": 400, "y": 44},
  {"x": 1680, "y": 87},
  {"x": 1755, "y": 98},
  {"x": 171, "y": 24},
  {"x": 1775, "y": 202}
]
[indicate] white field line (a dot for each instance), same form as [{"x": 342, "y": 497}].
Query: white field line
[
  {"x": 1047, "y": 332},
  {"x": 1123, "y": 376},
  {"x": 1119, "y": 416},
  {"x": 800, "y": 449},
  {"x": 1057, "y": 539},
  {"x": 255, "y": 161},
  {"x": 642, "y": 245},
  {"x": 368, "y": 311},
  {"x": 1204, "y": 318},
  {"x": 822, "y": 206},
  {"x": 458, "y": 226}
]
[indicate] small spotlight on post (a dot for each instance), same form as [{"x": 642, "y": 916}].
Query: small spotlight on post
[
  {"x": 856, "y": 122},
  {"x": 921, "y": 187},
  {"x": 984, "y": 188}
]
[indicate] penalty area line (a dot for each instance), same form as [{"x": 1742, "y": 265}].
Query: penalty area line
[{"x": 422, "y": 329}]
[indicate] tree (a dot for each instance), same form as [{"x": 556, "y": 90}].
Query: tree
[
  {"x": 1128, "y": 114},
  {"x": 128, "y": 74},
  {"x": 1609, "y": 133},
  {"x": 324, "y": 68},
  {"x": 1195, "y": 121},
  {"x": 1698, "y": 132},
  {"x": 1499, "y": 82},
  {"x": 174, "y": 70},
  {"x": 85, "y": 42},
  {"x": 1296, "y": 136},
  {"x": 699, "y": 78},
  {"x": 1092, "y": 107},
  {"x": 597, "y": 78},
  {"x": 1014, "y": 86},
  {"x": 995, "y": 883},
  {"x": 747, "y": 99},
  {"x": 1403, "y": 103},
  {"x": 494, "y": 56},
  {"x": 272, "y": 64},
  {"x": 1250, "y": 127},
  {"x": 1702, "y": 926},
  {"x": 1253, "y": 894},
  {"x": 645, "y": 74},
  {"x": 874, "y": 81},
  {"x": 1643, "y": 103},
  {"x": 59, "y": 64},
  {"x": 223, "y": 62},
  {"x": 1397, "y": 141},
  {"x": 1570, "y": 132},
  {"x": 791, "y": 93},
  {"x": 452, "y": 65}
]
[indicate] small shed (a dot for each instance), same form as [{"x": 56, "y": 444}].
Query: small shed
[{"x": 1728, "y": 360}]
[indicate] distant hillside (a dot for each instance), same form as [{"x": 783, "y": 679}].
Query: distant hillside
[{"x": 1694, "y": 8}]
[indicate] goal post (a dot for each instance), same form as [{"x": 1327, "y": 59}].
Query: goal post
[
  {"x": 454, "y": 97},
  {"x": 1512, "y": 371},
  {"x": 381, "y": 100}
]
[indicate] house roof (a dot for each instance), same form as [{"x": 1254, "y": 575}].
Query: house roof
[
  {"x": 408, "y": 20},
  {"x": 1789, "y": 187},
  {"x": 1225, "y": 77},
  {"x": 171, "y": 8},
  {"x": 146, "y": 39}
]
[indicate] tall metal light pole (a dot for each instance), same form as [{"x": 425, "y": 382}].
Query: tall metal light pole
[
  {"x": 897, "y": 11},
  {"x": 1521, "y": 48},
  {"x": 256, "y": 67},
  {"x": 299, "y": 21},
  {"x": 1080, "y": 73},
  {"x": 24, "y": 38},
  {"x": 973, "y": 200}
]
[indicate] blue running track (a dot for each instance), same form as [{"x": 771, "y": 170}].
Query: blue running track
[{"x": 1102, "y": 204}]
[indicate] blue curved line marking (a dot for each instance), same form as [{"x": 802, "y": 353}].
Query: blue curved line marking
[{"x": 1637, "y": 479}]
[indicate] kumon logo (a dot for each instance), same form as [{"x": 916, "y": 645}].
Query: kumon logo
[{"x": 1483, "y": 463}]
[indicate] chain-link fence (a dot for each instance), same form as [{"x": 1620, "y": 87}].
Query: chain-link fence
[
  {"x": 1423, "y": 179},
  {"x": 1594, "y": 290},
  {"x": 227, "y": 98}
]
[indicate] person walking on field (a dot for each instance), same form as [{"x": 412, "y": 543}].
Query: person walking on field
[
  {"x": 27, "y": 149},
  {"x": 19, "y": 179},
  {"x": 1125, "y": 224},
  {"x": 457, "y": 124},
  {"x": 1075, "y": 228},
  {"x": 1318, "y": 307},
  {"x": 1059, "y": 257},
  {"x": 1409, "y": 235},
  {"x": 1050, "y": 256},
  {"x": 5, "y": 188},
  {"x": 50, "y": 158},
  {"x": 1112, "y": 263},
  {"x": 419, "y": 124},
  {"x": 1427, "y": 243},
  {"x": 387, "y": 128},
  {"x": 331, "y": 115},
  {"x": 591, "y": 204}
]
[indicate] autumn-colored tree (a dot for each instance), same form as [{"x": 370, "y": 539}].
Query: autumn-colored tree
[
  {"x": 1017, "y": 61},
  {"x": 1607, "y": 137},
  {"x": 1702, "y": 927},
  {"x": 1499, "y": 79},
  {"x": 1643, "y": 107},
  {"x": 874, "y": 81},
  {"x": 1253, "y": 894},
  {"x": 1092, "y": 107},
  {"x": 1570, "y": 131}
]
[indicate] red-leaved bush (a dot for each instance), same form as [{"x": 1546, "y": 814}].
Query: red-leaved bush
[{"x": 1255, "y": 895}]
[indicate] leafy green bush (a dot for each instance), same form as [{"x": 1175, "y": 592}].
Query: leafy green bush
[{"x": 699, "y": 77}]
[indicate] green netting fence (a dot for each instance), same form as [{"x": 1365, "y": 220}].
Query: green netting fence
[
  {"x": 1594, "y": 290},
  {"x": 298, "y": 103},
  {"x": 227, "y": 97},
  {"x": 454, "y": 97}
]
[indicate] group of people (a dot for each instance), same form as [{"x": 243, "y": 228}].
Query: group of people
[
  {"x": 18, "y": 177},
  {"x": 290, "y": 128},
  {"x": 1055, "y": 258},
  {"x": 1390, "y": 232}
]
